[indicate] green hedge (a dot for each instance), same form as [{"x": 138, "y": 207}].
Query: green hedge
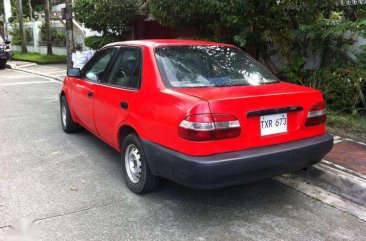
[
  {"x": 344, "y": 90},
  {"x": 97, "y": 42}
]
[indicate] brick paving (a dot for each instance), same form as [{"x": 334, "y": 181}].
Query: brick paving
[{"x": 349, "y": 154}]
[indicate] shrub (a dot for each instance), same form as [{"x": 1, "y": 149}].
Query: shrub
[
  {"x": 15, "y": 33},
  {"x": 15, "y": 36},
  {"x": 58, "y": 35},
  {"x": 97, "y": 42},
  {"x": 29, "y": 36},
  {"x": 343, "y": 89}
]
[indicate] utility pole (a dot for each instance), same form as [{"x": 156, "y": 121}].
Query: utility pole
[
  {"x": 69, "y": 32},
  {"x": 7, "y": 15}
]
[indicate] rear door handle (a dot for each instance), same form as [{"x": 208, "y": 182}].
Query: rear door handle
[
  {"x": 124, "y": 105},
  {"x": 90, "y": 94}
]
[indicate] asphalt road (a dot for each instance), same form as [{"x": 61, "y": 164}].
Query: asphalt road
[{"x": 72, "y": 187}]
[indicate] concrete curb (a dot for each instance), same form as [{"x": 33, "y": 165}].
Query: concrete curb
[
  {"x": 10, "y": 66},
  {"x": 322, "y": 195},
  {"x": 40, "y": 74},
  {"x": 338, "y": 180}
]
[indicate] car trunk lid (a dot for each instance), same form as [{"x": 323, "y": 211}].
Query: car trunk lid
[{"x": 269, "y": 114}]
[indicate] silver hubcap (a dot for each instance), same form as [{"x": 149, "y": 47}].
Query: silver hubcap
[
  {"x": 63, "y": 114},
  {"x": 133, "y": 163}
]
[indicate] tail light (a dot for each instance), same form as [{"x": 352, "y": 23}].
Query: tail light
[
  {"x": 206, "y": 127},
  {"x": 317, "y": 115}
]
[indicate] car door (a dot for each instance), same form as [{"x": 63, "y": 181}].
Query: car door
[
  {"x": 115, "y": 99},
  {"x": 84, "y": 87}
]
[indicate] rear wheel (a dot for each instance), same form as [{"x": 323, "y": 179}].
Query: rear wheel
[
  {"x": 9, "y": 56},
  {"x": 68, "y": 124},
  {"x": 136, "y": 171}
]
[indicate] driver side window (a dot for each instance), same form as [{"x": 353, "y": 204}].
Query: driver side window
[
  {"x": 95, "y": 71},
  {"x": 127, "y": 69}
]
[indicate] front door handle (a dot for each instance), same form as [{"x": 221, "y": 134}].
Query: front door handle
[
  {"x": 90, "y": 94},
  {"x": 124, "y": 105}
]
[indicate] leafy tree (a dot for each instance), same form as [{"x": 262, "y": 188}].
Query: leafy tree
[
  {"x": 111, "y": 17},
  {"x": 1, "y": 7},
  {"x": 288, "y": 27},
  {"x": 28, "y": 7},
  {"x": 244, "y": 22}
]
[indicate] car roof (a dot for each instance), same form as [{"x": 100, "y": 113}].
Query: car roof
[{"x": 166, "y": 42}]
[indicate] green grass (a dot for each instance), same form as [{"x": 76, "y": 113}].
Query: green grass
[
  {"x": 316, "y": 198},
  {"x": 39, "y": 58},
  {"x": 352, "y": 126}
]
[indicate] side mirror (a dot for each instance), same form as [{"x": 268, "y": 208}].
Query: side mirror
[
  {"x": 7, "y": 42},
  {"x": 74, "y": 72}
]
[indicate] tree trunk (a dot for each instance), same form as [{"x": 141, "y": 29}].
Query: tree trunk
[
  {"x": 30, "y": 10},
  {"x": 69, "y": 33},
  {"x": 21, "y": 26},
  {"x": 47, "y": 25}
]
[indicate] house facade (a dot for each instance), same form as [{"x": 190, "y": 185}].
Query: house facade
[{"x": 34, "y": 39}]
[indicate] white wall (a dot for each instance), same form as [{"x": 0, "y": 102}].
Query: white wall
[
  {"x": 35, "y": 48},
  {"x": 58, "y": 7},
  {"x": 41, "y": 49}
]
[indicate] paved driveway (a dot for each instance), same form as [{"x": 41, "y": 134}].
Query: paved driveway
[{"x": 72, "y": 187}]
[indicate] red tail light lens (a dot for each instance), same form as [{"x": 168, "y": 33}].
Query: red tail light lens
[
  {"x": 317, "y": 115},
  {"x": 206, "y": 127}
]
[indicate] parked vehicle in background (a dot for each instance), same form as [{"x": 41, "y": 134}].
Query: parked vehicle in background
[
  {"x": 202, "y": 114},
  {"x": 3, "y": 57},
  {"x": 8, "y": 51},
  {"x": 5, "y": 52}
]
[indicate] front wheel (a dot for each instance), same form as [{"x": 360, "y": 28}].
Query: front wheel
[
  {"x": 68, "y": 124},
  {"x": 136, "y": 171},
  {"x": 9, "y": 57}
]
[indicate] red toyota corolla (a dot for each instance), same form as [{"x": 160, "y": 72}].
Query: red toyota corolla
[{"x": 202, "y": 114}]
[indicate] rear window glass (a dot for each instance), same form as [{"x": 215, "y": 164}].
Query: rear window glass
[{"x": 210, "y": 66}]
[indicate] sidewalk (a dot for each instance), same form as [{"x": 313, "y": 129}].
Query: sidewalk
[
  {"x": 341, "y": 172},
  {"x": 349, "y": 154},
  {"x": 53, "y": 71}
]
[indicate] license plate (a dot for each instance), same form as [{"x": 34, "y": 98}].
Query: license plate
[{"x": 273, "y": 124}]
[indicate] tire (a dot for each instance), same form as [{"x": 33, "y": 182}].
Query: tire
[
  {"x": 136, "y": 171},
  {"x": 9, "y": 57},
  {"x": 68, "y": 124},
  {"x": 2, "y": 65}
]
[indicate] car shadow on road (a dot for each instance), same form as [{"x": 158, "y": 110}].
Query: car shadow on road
[{"x": 257, "y": 193}]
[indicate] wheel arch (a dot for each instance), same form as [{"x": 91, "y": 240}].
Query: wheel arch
[
  {"x": 64, "y": 94},
  {"x": 124, "y": 131}
]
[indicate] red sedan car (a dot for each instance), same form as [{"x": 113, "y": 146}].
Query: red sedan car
[{"x": 202, "y": 114}]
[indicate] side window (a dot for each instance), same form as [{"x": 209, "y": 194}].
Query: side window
[
  {"x": 95, "y": 70},
  {"x": 127, "y": 69}
]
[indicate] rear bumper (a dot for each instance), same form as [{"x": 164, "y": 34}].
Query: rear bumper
[{"x": 226, "y": 169}]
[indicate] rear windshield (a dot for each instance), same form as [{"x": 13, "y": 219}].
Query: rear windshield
[{"x": 210, "y": 66}]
